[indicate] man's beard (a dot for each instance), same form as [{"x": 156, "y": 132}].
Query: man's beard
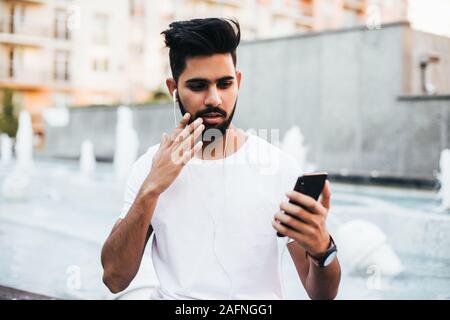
[{"x": 222, "y": 126}]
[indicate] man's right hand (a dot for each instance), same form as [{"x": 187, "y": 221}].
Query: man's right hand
[{"x": 174, "y": 152}]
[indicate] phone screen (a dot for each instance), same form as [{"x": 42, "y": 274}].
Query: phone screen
[{"x": 310, "y": 185}]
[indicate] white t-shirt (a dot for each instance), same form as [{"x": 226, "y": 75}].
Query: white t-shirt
[{"x": 213, "y": 237}]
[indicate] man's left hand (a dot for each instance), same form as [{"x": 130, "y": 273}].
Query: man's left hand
[{"x": 310, "y": 231}]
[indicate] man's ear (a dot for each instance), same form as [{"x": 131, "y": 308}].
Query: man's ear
[
  {"x": 238, "y": 78},
  {"x": 171, "y": 85}
]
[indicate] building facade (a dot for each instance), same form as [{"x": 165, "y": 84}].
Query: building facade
[{"x": 55, "y": 53}]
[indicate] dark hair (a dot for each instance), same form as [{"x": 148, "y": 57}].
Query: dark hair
[{"x": 200, "y": 37}]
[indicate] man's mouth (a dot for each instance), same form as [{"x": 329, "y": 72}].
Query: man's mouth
[{"x": 212, "y": 117}]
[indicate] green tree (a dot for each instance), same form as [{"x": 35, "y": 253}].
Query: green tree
[
  {"x": 161, "y": 95},
  {"x": 158, "y": 96},
  {"x": 8, "y": 118}
]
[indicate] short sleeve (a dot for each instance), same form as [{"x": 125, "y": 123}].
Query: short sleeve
[{"x": 138, "y": 173}]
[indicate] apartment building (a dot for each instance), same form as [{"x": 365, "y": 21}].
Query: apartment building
[{"x": 55, "y": 53}]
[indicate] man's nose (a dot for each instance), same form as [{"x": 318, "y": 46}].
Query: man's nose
[{"x": 213, "y": 97}]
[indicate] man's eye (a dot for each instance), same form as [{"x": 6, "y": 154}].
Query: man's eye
[
  {"x": 225, "y": 84},
  {"x": 197, "y": 87}
]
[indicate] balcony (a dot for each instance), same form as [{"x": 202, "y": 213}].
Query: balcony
[
  {"x": 305, "y": 21},
  {"x": 34, "y": 33},
  {"x": 224, "y": 3},
  {"x": 32, "y": 79},
  {"x": 16, "y": 31},
  {"x": 357, "y": 5},
  {"x": 30, "y": 1},
  {"x": 299, "y": 17}
]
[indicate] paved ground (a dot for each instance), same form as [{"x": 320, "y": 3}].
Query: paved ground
[{"x": 14, "y": 294}]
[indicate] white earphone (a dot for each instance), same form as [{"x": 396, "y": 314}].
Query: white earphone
[
  {"x": 174, "y": 97},
  {"x": 174, "y": 94}
]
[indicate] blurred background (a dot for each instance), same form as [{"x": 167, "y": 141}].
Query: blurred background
[{"x": 357, "y": 88}]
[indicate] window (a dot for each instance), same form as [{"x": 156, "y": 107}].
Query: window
[
  {"x": 306, "y": 7},
  {"x": 15, "y": 62},
  {"x": 61, "y": 28},
  {"x": 61, "y": 66},
  {"x": 16, "y": 18},
  {"x": 100, "y": 29},
  {"x": 137, "y": 8},
  {"x": 100, "y": 64},
  {"x": 137, "y": 49}
]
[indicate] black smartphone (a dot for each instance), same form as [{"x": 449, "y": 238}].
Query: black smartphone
[{"x": 311, "y": 185}]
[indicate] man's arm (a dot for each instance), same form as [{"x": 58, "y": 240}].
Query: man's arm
[
  {"x": 310, "y": 235},
  {"x": 319, "y": 283},
  {"x": 123, "y": 250}
]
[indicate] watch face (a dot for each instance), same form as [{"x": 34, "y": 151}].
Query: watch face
[{"x": 329, "y": 259}]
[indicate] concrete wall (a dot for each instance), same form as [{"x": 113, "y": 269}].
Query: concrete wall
[
  {"x": 341, "y": 88},
  {"x": 99, "y": 125},
  {"x": 425, "y": 132}
]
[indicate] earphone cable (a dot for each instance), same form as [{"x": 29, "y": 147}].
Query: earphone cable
[{"x": 224, "y": 187}]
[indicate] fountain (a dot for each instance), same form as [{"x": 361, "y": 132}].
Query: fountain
[
  {"x": 362, "y": 245},
  {"x": 24, "y": 142},
  {"x": 250, "y": 131},
  {"x": 371, "y": 249},
  {"x": 444, "y": 178},
  {"x": 127, "y": 143},
  {"x": 362, "y": 220},
  {"x": 293, "y": 144},
  {"x": 6, "y": 149},
  {"x": 17, "y": 185},
  {"x": 87, "y": 159}
]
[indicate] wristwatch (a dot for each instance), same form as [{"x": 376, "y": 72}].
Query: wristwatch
[{"x": 325, "y": 260}]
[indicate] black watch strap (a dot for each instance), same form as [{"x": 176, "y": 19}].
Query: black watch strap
[{"x": 327, "y": 258}]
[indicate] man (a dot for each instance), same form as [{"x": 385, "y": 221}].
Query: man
[{"x": 213, "y": 210}]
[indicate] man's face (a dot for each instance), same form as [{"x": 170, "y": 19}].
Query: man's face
[{"x": 208, "y": 88}]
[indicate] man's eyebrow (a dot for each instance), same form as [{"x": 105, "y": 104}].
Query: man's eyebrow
[{"x": 208, "y": 81}]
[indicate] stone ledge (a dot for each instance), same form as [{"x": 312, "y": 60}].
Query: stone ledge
[{"x": 423, "y": 97}]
